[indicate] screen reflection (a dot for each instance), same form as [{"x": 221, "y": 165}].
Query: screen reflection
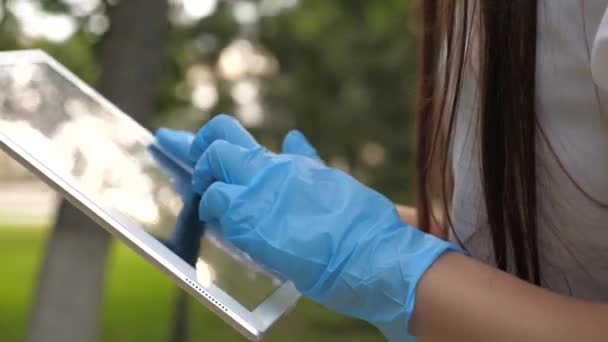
[{"x": 112, "y": 160}]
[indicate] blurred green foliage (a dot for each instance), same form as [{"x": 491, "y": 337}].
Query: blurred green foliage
[
  {"x": 347, "y": 73},
  {"x": 345, "y": 77},
  {"x": 139, "y": 298}
]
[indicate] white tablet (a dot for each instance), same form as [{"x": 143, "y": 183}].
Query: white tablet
[{"x": 100, "y": 160}]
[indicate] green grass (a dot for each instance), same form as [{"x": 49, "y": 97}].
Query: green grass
[{"x": 133, "y": 312}]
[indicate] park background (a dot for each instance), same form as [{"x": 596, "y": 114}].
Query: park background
[{"x": 341, "y": 71}]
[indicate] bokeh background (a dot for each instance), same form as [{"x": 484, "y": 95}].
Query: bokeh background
[{"x": 341, "y": 71}]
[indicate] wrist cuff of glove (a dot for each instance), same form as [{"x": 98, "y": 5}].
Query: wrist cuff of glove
[{"x": 417, "y": 262}]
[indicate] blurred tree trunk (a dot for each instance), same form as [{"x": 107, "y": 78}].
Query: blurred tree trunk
[
  {"x": 181, "y": 313},
  {"x": 68, "y": 301}
]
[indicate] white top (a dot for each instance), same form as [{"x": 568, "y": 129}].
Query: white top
[{"x": 572, "y": 104}]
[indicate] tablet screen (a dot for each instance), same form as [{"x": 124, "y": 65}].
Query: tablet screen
[{"x": 109, "y": 159}]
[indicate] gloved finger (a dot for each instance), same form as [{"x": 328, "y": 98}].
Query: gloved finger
[
  {"x": 176, "y": 143},
  {"x": 221, "y": 127},
  {"x": 296, "y": 143},
  {"x": 228, "y": 163},
  {"x": 186, "y": 235},
  {"x": 216, "y": 201}
]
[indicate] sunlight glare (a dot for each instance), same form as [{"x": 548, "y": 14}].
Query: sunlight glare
[
  {"x": 204, "y": 273},
  {"x": 198, "y": 9},
  {"x": 38, "y": 24}
]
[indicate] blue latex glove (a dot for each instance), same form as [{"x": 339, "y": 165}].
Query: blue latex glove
[
  {"x": 186, "y": 147},
  {"x": 341, "y": 243},
  {"x": 185, "y": 237}
]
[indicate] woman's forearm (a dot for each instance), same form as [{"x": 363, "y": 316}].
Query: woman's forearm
[{"x": 461, "y": 299}]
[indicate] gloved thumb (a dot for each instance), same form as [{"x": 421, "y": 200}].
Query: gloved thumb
[
  {"x": 296, "y": 143},
  {"x": 216, "y": 201}
]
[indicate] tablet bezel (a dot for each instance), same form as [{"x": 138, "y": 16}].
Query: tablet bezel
[{"x": 252, "y": 324}]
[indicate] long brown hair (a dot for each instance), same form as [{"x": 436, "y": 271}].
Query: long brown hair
[{"x": 504, "y": 36}]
